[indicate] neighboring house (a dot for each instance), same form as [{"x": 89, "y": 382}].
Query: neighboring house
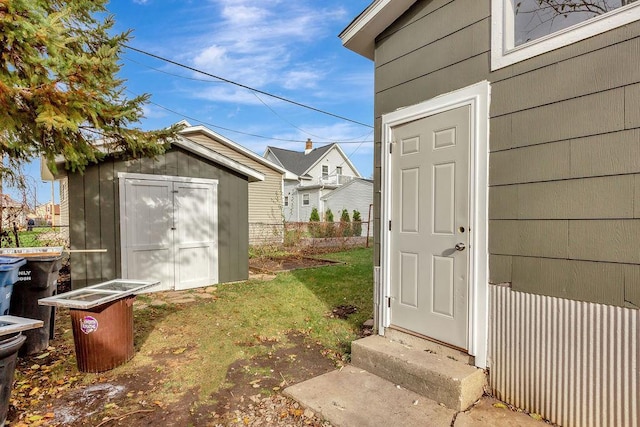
[
  {"x": 265, "y": 197},
  {"x": 312, "y": 176},
  {"x": 356, "y": 194},
  {"x": 13, "y": 212},
  {"x": 181, "y": 218},
  {"x": 43, "y": 212},
  {"x": 508, "y": 162}
]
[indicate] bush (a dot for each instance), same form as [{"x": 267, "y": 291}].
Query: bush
[
  {"x": 315, "y": 228},
  {"x": 330, "y": 230},
  {"x": 345, "y": 224},
  {"x": 357, "y": 224}
]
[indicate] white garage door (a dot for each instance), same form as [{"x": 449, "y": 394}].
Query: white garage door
[{"x": 169, "y": 230}]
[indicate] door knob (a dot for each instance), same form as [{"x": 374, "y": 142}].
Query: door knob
[{"x": 460, "y": 247}]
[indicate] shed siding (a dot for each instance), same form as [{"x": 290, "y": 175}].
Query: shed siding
[
  {"x": 564, "y": 170},
  {"x": 265, "y": 197},
  {"x": 94, "y": 214}
]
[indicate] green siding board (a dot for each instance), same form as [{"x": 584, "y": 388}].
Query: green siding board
[
  {"x": 605, "y": 240},
  {"x": 577, "y": 280},
  {"x": 544, "y": 162},
  {"x": 442, "y": 23},
  {"x": 77, "y": 230},
  {"x": 171, "y": 162},
  {"x": 503, "y": 202},
  {"x": 500, "y": 129},
  {"x": 632, "y": 104},
  {"x": 108, "y": 219},
  {"x": 601, "y": 41},
  {"x": 500, "y": 271},
  {"x": 554, "y": 83},
  {"x": 589, "y": 115},
  {"x": 414, "y": 14},
  {"x": 92, "y": 223},
  {"x": 608, "y": 154},
  {"x": 543, "y": 238},
  {"x": 632, "y": 285},
  {"x": 470, "y": 42},
  {"x": 412, "y": 92}
]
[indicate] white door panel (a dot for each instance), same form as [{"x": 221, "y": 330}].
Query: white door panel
[
  {"x": 430, "y": 203},
  {"x": 170, "y": 232}
]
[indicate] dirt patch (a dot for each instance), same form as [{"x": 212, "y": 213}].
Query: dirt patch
[
  {"x": 287, "y": 263},
  {"x": 343, "y": 311}
]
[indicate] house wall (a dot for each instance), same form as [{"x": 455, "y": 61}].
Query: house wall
[
  {"x": 564, "y": 169},
  {"x": 332, "y": 158},
  {"x": 94, "y": 214},
  {"x": 356, "y": 195},
  {"x": 265, "y": 197},
  {"x": 292, "y": 212},
  {"x": 564, "y": 187}
]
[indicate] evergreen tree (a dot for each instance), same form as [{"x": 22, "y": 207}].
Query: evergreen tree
[
  {"x": 59, "y": 94},
  {"x": 330, "y": 227},
  {"x": 357, "y": 223},
  {"x": 345, "y": 223}
]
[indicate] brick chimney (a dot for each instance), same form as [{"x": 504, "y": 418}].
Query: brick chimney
[{"x": 308, "y": 147}]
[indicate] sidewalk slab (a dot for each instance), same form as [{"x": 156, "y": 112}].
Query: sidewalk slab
[{"x": 354, "y": 397}]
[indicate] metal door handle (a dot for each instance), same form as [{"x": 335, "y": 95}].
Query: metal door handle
[{"x": 460, "y": 247}]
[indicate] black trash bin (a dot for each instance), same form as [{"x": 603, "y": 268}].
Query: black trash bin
[
  {"x": 11, "y": 339},
  {"x": 38, "y": 278}
]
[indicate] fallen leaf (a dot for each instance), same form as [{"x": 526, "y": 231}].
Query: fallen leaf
[
  {"x": 42, "y": 356},
  {"x": 180, "y": 350},
  {"x": 35, "y": 367},
  {"x": 536, "y": 417},
  {"x": 34, "y": 391},
  {"x": 33, "y": 418},
  {"x": 500, "y": 405}
]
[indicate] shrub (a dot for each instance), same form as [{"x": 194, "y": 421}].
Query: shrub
[
  {"x": 315, "y": 228},
  {"x": 330, "y": 227},
  {"x": 345, "y": 224},
  {"x": 357, "y": 224}
]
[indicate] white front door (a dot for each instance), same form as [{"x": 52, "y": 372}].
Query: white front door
[
  {"x": 430, "y": 226},
  {"x": 169, "y": 230}
]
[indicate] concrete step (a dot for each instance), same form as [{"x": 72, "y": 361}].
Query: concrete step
[
  {"x": 438, "y": 377},
  {"x": 354, "y": 397}
]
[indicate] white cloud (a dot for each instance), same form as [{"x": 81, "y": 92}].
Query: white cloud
[
  {"x": 260, "y": 43},
  {"x": 141, "y": 1}
]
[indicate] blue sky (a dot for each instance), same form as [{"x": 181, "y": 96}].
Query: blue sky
[{"x": 290, "y": 49}]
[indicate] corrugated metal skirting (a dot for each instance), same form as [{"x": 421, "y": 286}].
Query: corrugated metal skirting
[{"x": 574, "y": 363}]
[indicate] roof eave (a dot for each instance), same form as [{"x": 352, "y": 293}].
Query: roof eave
[{"x": 360, "y": 35}]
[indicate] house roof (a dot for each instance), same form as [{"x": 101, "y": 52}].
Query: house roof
[
  {"x": 360, "y": 35},
  {"x": 189, "y": 130},
  {"x": 298, "y": 162}
]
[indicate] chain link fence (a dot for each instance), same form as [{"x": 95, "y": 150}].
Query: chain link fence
[{"x": 34, "y": 236}]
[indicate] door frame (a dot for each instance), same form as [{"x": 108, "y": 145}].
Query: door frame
[
  {"x": 122, "y": 177},
  {"x": 477, "y": 97}
]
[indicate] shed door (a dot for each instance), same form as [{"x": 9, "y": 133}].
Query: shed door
[
  {"x": 170, "y": 232},
  {"x": 430, "y": 219}
]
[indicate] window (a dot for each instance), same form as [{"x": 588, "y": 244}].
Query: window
[
  {"x": 339, "y": 170},
  {"x": 325, "y": 171},
  {"x": 286, "y": 200},
  {"x": 305, "y": 200},
  {"x": 522, "y": 29}
]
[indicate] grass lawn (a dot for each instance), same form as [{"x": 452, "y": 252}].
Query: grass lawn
[{"x": 187, "y": 348}]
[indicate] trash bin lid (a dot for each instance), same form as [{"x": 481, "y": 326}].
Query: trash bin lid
[
  {"x": 102, "y": 293},
  {"x": 8, "y": 263},
  {"x": 41, "y": 253},
  {"x": 13, "y": 324}
]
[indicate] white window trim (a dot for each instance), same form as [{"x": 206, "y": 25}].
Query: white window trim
[
  {"x": 476, "y": 96},
  {"x": 502, "y": 29},
  {"x": 286, "y": 201},
  {"x": 308, "y": 199}
]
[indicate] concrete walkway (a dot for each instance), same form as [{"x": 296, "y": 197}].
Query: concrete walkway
[{"x": 354, "y": 397}]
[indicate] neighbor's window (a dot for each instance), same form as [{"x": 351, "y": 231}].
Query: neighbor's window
[
  {"x": 325, "y": 171},
  {"x": 522, "y": 29},
  {"x": 305, "y": 200},
  {"x": 286, "y": 200},
  {"x": 338, "y": 170}
]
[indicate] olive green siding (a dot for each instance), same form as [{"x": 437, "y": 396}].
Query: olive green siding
[
  {"x": 564, "y": 164},
  {"x": 94, "y": 214}
]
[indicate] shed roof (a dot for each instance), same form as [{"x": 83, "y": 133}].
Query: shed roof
[{"x": 360, "y": 35}]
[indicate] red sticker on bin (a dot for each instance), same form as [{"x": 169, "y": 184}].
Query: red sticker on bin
[{"x": 88, "y": 324}]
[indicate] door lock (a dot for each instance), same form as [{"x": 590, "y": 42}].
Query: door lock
[{"x": 460, "y": 247}]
